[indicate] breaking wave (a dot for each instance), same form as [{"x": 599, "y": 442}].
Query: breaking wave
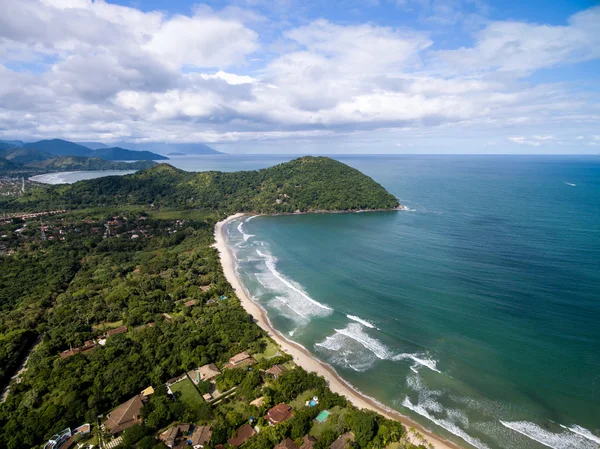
[
  {"x": 574, "y": 437},
  {"x": 420, "y": 360},
  {"x": 246, "y": 236},
  {"x": 353, "y": 348},
  {"x": 290, "y": 299},
  {"x": 361, "y": 321},
  {"x": 423, "y": 410}
]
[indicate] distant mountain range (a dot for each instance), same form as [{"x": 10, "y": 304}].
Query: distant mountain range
[
  {"x": 18, "y": 157},
  {"x": 59, "y": 147},
  {"x": 171, "y": 148}
]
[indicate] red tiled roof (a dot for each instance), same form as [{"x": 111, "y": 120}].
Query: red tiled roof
[
  {"x": 288, "y": 443},
  {"x": 279, "y": 413},
  {"x": 125, "y": 415},
  {"x": 276, "y": 370},
  {"x": 118, "y": 330},
  {"x": 308, "y": 442},
  {"x": 242, "y": 434},
  {"x": 201, "y": 436}
]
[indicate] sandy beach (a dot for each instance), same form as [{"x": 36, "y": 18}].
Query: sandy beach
[{"x": 301, "y": 356}]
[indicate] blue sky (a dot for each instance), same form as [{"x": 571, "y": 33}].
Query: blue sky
[{"x": 267, "y": 76}]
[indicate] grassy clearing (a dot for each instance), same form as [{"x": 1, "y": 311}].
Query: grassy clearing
[
  {"x": 299, "y": 402},
  {"x": 318, "y": 428},
  {"x": 188, "y": 391},
  {"x": 107, "y": 326},
  {"x": 271, "y": 350}
]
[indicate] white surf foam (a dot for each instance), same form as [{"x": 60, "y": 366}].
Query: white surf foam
[
  {"x": 246, "y": 236},
  {"x": 250, "y": 218},
  {"x": 564, "y": 440},
  {"x": 444, "y": 423},
  {"x": 361, "y": 321},
  {"x": 355, "y": 332},
  {"x": 570, "y": 184},
  {"x": 270, "y": 262},
  {"x": 582, "y": 432},
  {"x": 353, "y": 348},
  {"x": 421, "y": 360}
]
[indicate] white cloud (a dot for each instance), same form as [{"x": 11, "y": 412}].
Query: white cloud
[
  {"x": 521, "y": 48},
  {"x": 104, "y": 71}
]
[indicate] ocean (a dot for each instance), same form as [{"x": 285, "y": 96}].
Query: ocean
[{"x": 476, "y": 312}]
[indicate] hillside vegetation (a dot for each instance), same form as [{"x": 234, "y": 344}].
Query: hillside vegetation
[{"x": 302, "y": 185}]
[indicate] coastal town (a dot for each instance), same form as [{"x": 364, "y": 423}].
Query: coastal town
[{"x": 305, "y": 421}]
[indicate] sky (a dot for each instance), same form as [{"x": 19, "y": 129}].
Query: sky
[{"x": 305, "y": 76}]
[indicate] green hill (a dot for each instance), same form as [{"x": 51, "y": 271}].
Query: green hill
[
  {"x": 25, "y": 155},
  {"x": 302, "y": 185},
  {"x": 60, "y": 147}
]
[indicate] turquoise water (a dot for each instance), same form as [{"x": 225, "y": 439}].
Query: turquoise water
[{"x": 476, "y": 312}]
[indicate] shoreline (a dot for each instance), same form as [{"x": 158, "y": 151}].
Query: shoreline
[{"x": 301, "y": 355}]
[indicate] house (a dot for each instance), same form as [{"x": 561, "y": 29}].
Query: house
[
  {"x": 87, "y": 346},
  {"x": 276, "y": 371},
  {"x": 241, "y": 435},
  {"x": 308, "y": 442},
  {"x": 125, "y": 415},
  {"x": 207, "y": 397},
  {"x": 278, "y": 414},
  {"x": 200, "y": 437},
  {"x": 342, "y": 442},
  {"x": 288, "y": 443},
  {"x": 167, "y": 317},
  {"x": 69, "y": 353},
  {"x": 240, "y": 360},
  {"x": 208, "y": 372},
  {"x": 171, "y": 436},
  {"x": 118, "y": 330},
  {"x": 190, "y": 303},
  {"x": 175, "y": 379}
]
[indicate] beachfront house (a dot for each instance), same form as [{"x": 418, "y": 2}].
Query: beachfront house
[
  {"x": 240, "y": 360},
  {"x": 276, "y": 371}
]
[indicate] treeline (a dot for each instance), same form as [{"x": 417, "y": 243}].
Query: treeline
[{"x": 304, "y": 184}]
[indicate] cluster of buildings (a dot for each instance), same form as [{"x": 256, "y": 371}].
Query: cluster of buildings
[
  {"x": 28, "y": 216},
  {"x": 67, "y": 437},
  {"x": 89, "y": 345},
  {"x": 185, "y": 435}
]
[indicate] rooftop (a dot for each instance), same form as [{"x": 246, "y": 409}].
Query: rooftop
[{"x": 242, "y": 434}]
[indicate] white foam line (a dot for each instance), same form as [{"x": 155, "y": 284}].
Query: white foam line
[
  {"x": 361, "y": 321},
  {"x": 522, "y": 432},
  {"x": 428, "y": 363},
  {"x": 241, "y": 229},
  {"x": 582, "y": 432},
  {"x": 449, "y": 426},
  {"x": 272, "y": 269},
  {"x": 250, "y": 218},
  {"x": 374, "y": 346}
]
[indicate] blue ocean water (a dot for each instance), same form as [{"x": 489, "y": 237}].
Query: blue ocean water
[{"x": 476, "y": 312}]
